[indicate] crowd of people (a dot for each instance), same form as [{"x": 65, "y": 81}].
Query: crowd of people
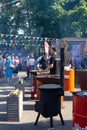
[
  {"x": 79, "y": 62},
  {"x": 11, "y": 65},
  {"x": 51, "y": 62}
]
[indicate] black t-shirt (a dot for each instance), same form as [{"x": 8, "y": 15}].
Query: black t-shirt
[
  {"x": 56, "y": 64},
  {"x": 43, "y": 63}
]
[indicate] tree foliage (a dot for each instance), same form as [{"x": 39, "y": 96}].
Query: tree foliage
[{"x": 45, "y": 18}]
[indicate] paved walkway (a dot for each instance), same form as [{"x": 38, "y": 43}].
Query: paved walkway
[{"x": 29, "y": 115}]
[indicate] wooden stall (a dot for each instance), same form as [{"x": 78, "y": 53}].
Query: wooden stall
[
  {"x": 48, "y": 79},
  {"x": 37, "y": 73}
]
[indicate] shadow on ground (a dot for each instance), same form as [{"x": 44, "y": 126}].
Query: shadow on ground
[{"x": 40, "y": 126}]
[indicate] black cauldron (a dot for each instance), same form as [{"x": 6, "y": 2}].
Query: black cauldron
[{"x": 49, "y": 104}]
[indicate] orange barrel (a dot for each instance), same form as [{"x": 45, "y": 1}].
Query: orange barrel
[
  {"x": 80, "y": 110},
  {"x": 69, "y": 83}
]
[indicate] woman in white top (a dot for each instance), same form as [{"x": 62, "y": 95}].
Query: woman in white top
[{"x": 32, "y": 62}]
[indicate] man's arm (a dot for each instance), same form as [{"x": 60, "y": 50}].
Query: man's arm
[{"x": 49, "y": 67}]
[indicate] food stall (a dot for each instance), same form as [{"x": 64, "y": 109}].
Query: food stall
[
  {"x": 37, "y": 73},
  {"x": 48, "y": 79}
]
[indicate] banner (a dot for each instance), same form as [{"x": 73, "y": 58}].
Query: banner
[{"x": 46, "y": 47}]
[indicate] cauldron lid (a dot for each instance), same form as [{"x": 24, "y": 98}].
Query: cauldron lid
[
  {"x": 81, "y": 93},
  {"x": 49, "y": 86}
]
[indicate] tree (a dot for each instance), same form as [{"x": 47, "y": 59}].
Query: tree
[
  {"x": 73, "y": 23},
  {"x": 45, "y": 18},
  {"x": 17, "y": 17}
]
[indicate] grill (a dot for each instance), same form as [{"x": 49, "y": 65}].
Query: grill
[{"x": 49, "y": 104}]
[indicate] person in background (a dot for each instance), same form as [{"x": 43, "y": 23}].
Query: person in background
[
  {"x": 32, "y": 62},
  {"x": 84, "y": 61},
  {"x": 43, "y": 62},
  {"x": 27, "y": 67},
  {"x": 16, "y": 63},
  {"x": 9, "y": 70},
  {"x": 13, "y": 59},
  {"x": 16, "y": 60},
  {"x": 54, "y": 64},
  {"x": 71, "y": 63},
  {"x": 79, "y": 64},
  {"x": 4, "y": 62},
  {"x": 1, "y": 67}
]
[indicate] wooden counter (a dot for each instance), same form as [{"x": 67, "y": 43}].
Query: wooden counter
[
  {"x": 37, "y": 73},
  {"x": 48, "y": 79}
]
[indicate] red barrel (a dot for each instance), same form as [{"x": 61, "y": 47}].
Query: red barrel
[
  {"x": 69, "y": 83},
  {"x": 80, "y": 109}
]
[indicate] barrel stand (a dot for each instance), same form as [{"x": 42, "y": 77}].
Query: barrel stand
[{"x": 51, "y": 120}]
